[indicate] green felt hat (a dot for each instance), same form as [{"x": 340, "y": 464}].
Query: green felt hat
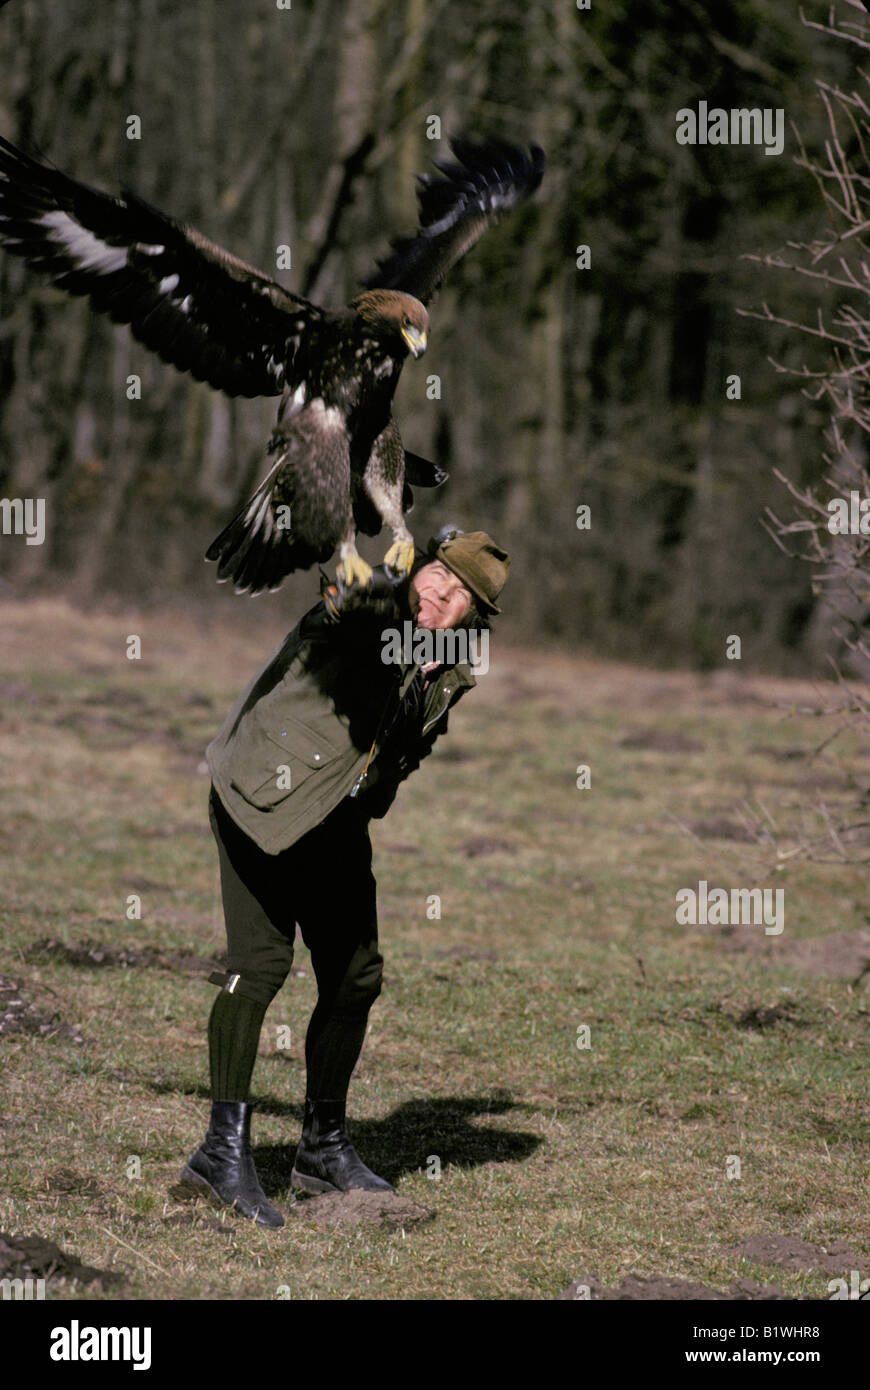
[{"x": 481, "y": 565}]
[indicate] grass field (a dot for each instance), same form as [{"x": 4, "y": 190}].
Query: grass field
[{"x": 557, "y": 1161}]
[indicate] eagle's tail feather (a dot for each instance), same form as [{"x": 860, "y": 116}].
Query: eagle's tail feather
[
  {"x": 255, "y": 551},
  {"x": 422, "y": 472}
]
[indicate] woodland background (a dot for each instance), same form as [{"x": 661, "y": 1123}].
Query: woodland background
[{"x": 559, "y": 386}]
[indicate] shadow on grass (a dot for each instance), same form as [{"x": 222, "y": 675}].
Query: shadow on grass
[{"x": 404, "y": 1141}]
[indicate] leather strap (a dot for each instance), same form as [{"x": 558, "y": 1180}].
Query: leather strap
[{"x": 234, "y": 984}]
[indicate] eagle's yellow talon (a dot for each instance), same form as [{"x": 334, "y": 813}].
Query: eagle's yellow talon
[
  {"x": 400, "y": 557},
  {"x": 354, "y": 570}
]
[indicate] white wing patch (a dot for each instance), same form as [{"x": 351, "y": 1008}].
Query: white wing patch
[
  {"x": 259, "y": 514},
  {"x": 168, "y": 284},
  {"x": 88, "y": 252},
  {"x": 297, "y": 400}
]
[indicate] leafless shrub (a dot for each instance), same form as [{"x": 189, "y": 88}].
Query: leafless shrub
[{"x": 840, "y": 261}]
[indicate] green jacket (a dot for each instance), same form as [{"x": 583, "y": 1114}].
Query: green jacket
[{"x": 300, "y": 736}]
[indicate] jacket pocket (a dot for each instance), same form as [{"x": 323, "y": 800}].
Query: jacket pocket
[{"x": 285, "y": 756}]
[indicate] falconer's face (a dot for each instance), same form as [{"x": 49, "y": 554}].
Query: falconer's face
[{"x": 437, "y": 597}]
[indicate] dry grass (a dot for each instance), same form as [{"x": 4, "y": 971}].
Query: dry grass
[{"x": 558, "y": 910}]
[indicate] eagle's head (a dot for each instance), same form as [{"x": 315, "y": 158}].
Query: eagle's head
[{"x": 395, "y": 315}]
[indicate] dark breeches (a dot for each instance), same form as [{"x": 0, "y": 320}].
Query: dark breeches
[{"x": 324, "y": 883}]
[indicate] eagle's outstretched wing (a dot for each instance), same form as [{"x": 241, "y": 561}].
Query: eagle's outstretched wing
[
  {"x": 198, "y": 307},
  {"x": 490, "y": 178}
]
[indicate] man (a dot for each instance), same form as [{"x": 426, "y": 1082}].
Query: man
[{"x": 313, "y": 749}]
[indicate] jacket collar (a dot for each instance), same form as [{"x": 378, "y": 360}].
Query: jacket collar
[{"x": 461, "y": 671}]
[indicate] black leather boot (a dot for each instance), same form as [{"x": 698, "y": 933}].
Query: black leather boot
[
  {"x": 223, "y": 1166},
  {"x": 326, "y": 1160}
]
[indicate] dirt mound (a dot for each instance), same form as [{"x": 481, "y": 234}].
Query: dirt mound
[
  {"x": 32, "y": 1256},
  {"x": 359, "y": 1207},
  {"x": 18, "y": 1015},
  {"x": 637, "y": 1288},
  {"x": 96, "y": 954},
  {"x": 796, "y": 1255},
  {"x": 838, "y": 955},
  {"x": 762, "y": 1016}
]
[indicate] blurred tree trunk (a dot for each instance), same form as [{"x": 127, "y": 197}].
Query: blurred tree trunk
[{"x": 559, "y": 386}]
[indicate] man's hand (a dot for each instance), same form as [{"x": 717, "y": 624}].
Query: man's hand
[{"x": 377, "y": 598}]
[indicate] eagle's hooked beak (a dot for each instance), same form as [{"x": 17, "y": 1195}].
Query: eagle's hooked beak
[{"x": 416, "y": 339}]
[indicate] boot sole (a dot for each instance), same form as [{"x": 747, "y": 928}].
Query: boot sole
[
  {"x": 199, "y": 1186},
  {"x": 318, "y": 1186}
]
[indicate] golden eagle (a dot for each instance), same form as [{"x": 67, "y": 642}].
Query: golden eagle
[{"x": 339, "y": 465}]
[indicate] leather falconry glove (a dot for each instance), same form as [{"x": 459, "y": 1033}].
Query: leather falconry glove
[{"x": 378, "y": 598}]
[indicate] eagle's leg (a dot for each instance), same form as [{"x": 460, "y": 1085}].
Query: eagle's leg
[
  {"x": 384, "y": 481},
  {"x": 400, "y": 556},
  {"x": 352, "y": 568}
]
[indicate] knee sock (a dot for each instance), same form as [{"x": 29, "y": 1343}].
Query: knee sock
[
  {"x": 332, "y": 1048},
  {"x": 233, "y": 1035}
]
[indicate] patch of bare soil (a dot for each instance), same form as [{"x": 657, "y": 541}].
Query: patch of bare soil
[
  {"x": 662, "y": 741},
  {"x": 18, "y": 1015},
  {"x": 637, "y": 1288},
  {"x": 474, "y": 849},
  {"x": 762, "y": 1016},
  {"x": 839, "y": 955},
  {"x": 71, "y": 1183},
  {"x": 23, "y": 1257},
  {"x": 67, "y": 1183},
  {"x": 360, "y": 1207},
  {"x": 796, "y": 1255},
  {"x": 723, "y": 829},
  {"x": 96, "y": 954}
]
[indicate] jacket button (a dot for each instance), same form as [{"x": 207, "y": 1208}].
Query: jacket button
[{"x": 317, "y": 757}]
